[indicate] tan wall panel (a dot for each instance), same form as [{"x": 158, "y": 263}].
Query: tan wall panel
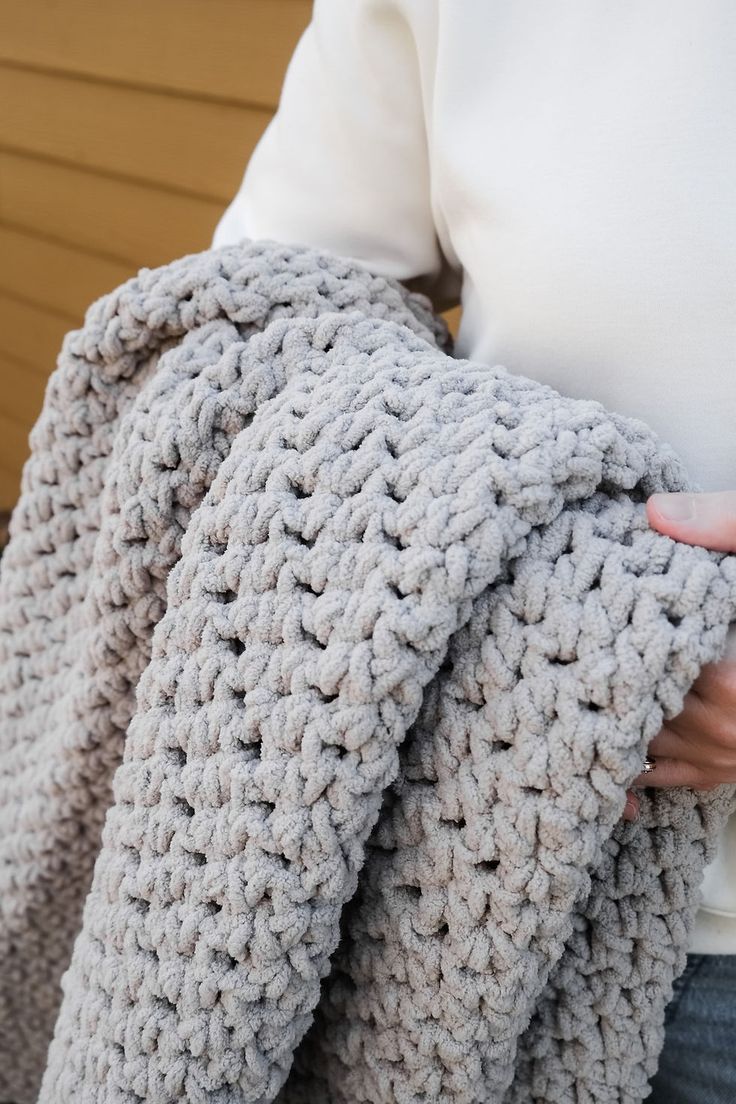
[
  {"x": 31, "y": 334},
  {"x": 131, "y": 223},
  {"x": 9, "y": 488},
  {"x": 23, "y": 389},
  {"x": 56, "y": 276},
  {"x": 236, "y": 49},
  {"x": 13, "y": 443},
  {"x": 124, "y": 133},
  {"x": 185, "y": 144},
  {"x": 452, "y": 318}
]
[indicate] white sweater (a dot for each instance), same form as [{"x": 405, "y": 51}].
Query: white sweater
[{"x": 566, "y": 171}]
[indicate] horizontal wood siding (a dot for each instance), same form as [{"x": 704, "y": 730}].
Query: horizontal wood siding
[
  {"x": 213, "y": 49},
  {"x": 125, "y": 131},
  {"x": 98, "y": 215},
  {"x": 53, "y": 275},
  {"x": 185, "y": 145}
]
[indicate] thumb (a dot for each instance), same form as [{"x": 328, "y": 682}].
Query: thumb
[{"x": 706, "y": 518}]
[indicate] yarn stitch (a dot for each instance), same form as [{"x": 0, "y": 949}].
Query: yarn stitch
[{"x": 326, "y": 660}]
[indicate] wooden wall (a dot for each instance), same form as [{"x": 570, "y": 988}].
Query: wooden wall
[{"x": 125, "y": 131}]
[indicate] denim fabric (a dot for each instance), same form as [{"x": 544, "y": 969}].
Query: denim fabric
[{"x": 698, "y": 1063}]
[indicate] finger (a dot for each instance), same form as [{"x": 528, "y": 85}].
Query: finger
[
  {"x": 631, "y": 809},
  {"x": 682, "y": 738},
  {"x": 674, "y": 772},
  {"x": 669, "y": 744},
  {"x": 703, "y": 735},
  {"x": 707, "y": 518}
]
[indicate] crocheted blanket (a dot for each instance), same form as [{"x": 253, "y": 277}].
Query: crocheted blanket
[{"x": 326, "y": 659}]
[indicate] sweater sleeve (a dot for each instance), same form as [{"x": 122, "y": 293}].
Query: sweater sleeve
[{"x": 344, "y": 164}]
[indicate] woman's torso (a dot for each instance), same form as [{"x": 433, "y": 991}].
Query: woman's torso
[
  {"x": 582, "y": 165},
  {"x": 583, "y": 161}
]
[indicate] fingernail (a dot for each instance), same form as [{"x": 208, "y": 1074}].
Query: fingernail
[
  {"x": 632, "y": 810},
  {"x": 675, "y": 507}
]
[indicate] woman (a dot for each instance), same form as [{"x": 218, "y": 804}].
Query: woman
[{"x": 566, "y": 173}]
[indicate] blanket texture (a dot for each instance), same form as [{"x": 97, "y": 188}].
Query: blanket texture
[{"x": 326, "y": 659}]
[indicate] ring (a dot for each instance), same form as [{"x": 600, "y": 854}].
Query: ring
[{"x": 649, "y": 765}]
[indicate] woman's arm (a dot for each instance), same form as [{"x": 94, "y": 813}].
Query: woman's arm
[{"x": 344, "y": 164}]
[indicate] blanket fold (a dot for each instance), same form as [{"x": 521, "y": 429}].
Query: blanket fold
[{"x": 326, "y": 660}]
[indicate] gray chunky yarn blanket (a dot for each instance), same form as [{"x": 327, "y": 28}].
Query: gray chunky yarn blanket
[{"x": 326, "y": 659}]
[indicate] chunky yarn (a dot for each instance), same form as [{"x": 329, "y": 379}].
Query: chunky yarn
[{"x": 326, "y": 659}]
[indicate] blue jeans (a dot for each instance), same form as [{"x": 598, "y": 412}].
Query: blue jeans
[{"x": 698, "y": 1063}]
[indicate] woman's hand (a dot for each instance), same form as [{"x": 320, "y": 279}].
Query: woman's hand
[{"x": 697, "y": 748}]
